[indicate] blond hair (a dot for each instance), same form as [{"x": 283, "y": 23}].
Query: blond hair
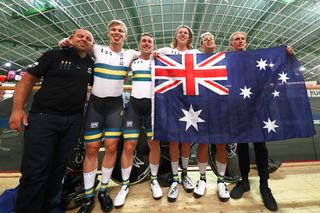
[
  {"x": 233, "y": 34},
  {"x": 204, "y": 35},
  {"x": 174, "y": 43},
  {"x": 118, "y": 22}
]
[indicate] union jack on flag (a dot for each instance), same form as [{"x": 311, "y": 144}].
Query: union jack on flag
[{"x": 190, "y": 70}]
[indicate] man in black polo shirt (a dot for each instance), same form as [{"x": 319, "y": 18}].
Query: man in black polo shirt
[{"x": 54, "y": 122}]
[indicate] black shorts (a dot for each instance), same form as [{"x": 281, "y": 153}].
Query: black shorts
[
  {"x": 138, "y": 114},
  {"x": 103, "y": 119}
]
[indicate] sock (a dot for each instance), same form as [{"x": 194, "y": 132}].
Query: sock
[
  {"x": 202, "y": 170},
  {"x": 89, "y": 179},
  {"x": 175, "y": 178},
  {"x": 106, "y": 175},
  {"x": 221, "y": 168},
  {"x": 126, "y": 175},
  {"x": 154, "y": 170},
  {"x": 175, "y": 167},
  {"x": 185, "y": 162}
]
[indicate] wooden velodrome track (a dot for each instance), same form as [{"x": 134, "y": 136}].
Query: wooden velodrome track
[{"x": 296, "y": 187}]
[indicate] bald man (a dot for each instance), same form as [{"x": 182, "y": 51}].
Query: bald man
[{"x": 54, "y": 121}]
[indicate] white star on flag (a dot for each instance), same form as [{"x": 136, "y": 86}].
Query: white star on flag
[
  {"x": 191, "y": 117},
  {"x": 271, "y": 65},
  {"x": 275, "y": 93},
  {"x": 270, "y": 125},
  {"x": 245, "y": 92},
  {"x": 283, "y": 77},
  {"x": 262, "y": 64}
]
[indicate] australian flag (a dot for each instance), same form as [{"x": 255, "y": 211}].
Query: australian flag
[{"x": 230, "y": 97}]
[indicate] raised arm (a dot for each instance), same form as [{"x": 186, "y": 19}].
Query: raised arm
[
  {"x": 64, "y": 43},
  {"x": 290, "y": 50}
]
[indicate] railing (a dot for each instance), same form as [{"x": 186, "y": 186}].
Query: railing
[{"x": 11, "y": 142}]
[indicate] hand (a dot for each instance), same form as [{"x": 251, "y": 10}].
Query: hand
[
  {"x": 155, "y": 54},
  {"x": 64, "y": 43},
  {"x": 290, "y": 50},
  {"x": 17, "y": 118}
]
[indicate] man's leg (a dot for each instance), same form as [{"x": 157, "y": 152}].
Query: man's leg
[
  {"x": 40, "y": 139},
  {"x": 112, "y": 132},
  {"x": 93, "y": 135},
  {"x": 221, "y": 163},
  {"x": 261, "y": 153},
  {"x": 174, "y": 151},
  {"x": 244, "y": 165},
  {"x": 185, "y": 155},
  {"x": 154, "y": 161},
  {"x": 126, "y": 167},
  {"x": 202, "y": 156}
]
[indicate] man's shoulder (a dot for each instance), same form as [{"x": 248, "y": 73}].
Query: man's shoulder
[
  {"x": 57, "y": 51},
  {"x": 194, "y": 51},
  {"x": 49, "y": 53},
  {"x": 165, "y": 50},
  {"x": 130, "y": 51},
  {"x": 100, "y": 46}
]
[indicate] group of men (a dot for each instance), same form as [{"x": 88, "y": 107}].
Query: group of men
[{"x": 55, "y": 120}]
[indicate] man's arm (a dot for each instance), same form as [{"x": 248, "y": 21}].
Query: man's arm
[
  {"x": 64, "y": 43},
  {"x": 21, "y": 93}
]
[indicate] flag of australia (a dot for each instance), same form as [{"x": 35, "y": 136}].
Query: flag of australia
[{"x": 230, "y": 97}]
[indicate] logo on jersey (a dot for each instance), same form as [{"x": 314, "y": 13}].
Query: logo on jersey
[
  {"x": 94, "y": 125},
  {"x": 89, "y": 70},
  {"x": 129, "y": 123}
]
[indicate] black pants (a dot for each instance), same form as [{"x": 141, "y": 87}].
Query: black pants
[
  {"x": 48, "y": 142},
  {"x": 261, "y": 153}
]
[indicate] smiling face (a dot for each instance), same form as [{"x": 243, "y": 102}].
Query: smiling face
[
  {"x": 81, "y": 40},
  {"x": 238, "y": 41},
  {"x": 146, "y": 44},
  {"x": 208, "y": 44},
  {"x": 183, "y": 36},
  {"x": 117, "y": 34}
]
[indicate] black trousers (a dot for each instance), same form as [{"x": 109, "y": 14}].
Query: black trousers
[
  {"x": 261, "y": 153},
  {"x": 48, "y": 142}
]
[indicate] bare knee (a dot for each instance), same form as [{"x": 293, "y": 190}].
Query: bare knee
[
  {"x": 129, "y": 147},
  {"x": 110, "y": 146},
  {"x": 154, "y": 145}
]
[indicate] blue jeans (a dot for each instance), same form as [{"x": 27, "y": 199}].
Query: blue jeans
[{"x": 48, "y": 142}]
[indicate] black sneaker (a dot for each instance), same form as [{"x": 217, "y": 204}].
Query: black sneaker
[
  {"x": 239, "y": 189},
  {"x": 105, "y": 201},
  {"x": 273, "y": 165},
  {"x": 87, "y": 205},
  {"x": 268, "y": 199}
]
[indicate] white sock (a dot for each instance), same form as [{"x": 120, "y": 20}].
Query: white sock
[
  {"x": 125, "y": 173},
  {"x": 106, "y": 175},
  {"x": 89, "y": 179},
  {"x": 154, "y": 169},
  {"x": 185, "y": 162},
  {"x": 175, "y": 167},
  {"x": 202, "y": 167},
  {"x": 221, "y": 168}
]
